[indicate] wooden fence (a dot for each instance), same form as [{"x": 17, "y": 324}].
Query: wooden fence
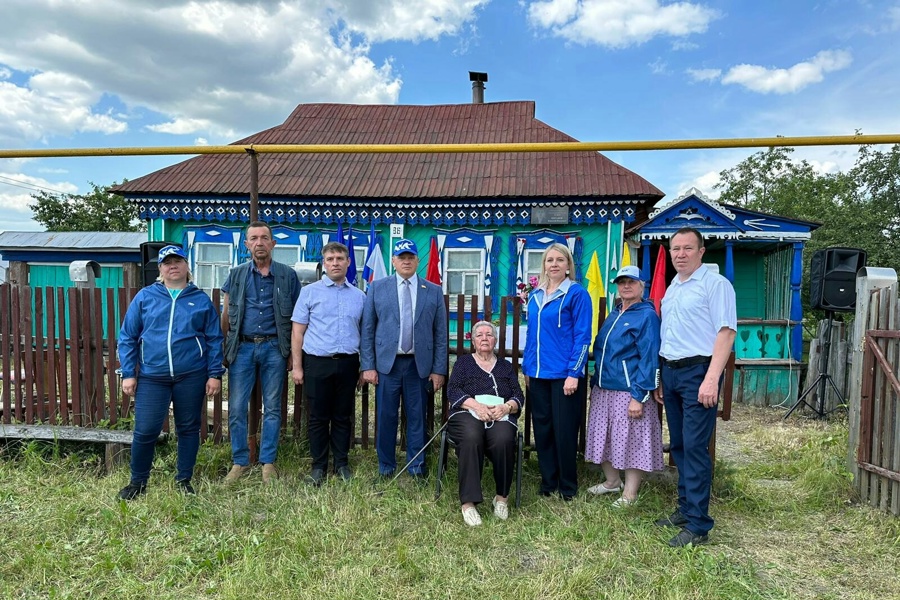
[
  {"x": 63, "y": 372},
  {"x": 66, "y": 376},
  {"x": 875, "y": 432}
]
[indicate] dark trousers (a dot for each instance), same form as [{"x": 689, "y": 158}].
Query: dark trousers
[
  {"x": 556, "y": 418},
  {"x": 474, "y": 440},
  {"x": 151, "y": 408},
  {"x": 403, "y": 381},
  {"x": 330, "y": 385},
  {"x": 691, "y": 426}
]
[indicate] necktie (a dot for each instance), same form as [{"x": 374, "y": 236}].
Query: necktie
[{"x": 406, "y": 318}]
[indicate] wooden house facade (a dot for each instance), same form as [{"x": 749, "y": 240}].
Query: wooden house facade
[
  {"x": 489, "y": 215},
  {"x": 761, "y": 255}
]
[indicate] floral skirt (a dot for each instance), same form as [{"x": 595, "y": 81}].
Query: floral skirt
[{"x": 615, "y": 437}]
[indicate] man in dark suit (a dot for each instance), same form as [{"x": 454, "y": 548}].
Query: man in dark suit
[{"x": 403, "y": 349}]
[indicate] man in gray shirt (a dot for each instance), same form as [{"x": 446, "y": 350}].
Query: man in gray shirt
[{"x": 326, "y": 328}]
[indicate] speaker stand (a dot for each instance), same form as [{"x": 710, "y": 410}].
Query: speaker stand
[{"x": 820, "y": 381}]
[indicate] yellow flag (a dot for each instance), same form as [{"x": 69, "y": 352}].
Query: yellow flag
[
  {"x": 626, "y": 255},
  {"x": 595, "y": 289}
]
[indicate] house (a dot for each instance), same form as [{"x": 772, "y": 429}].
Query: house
[
  {"x": 42, "y": 259},
  {"x": 490, "y": 214},
  {"x": 761, "y": 255}
]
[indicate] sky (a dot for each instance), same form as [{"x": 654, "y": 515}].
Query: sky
[{"x": 117, "y": 73}]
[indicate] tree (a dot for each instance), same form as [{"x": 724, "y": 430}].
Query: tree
[
  {"x": 98, "y": 210},
  {"x": 859, "y": 208}
]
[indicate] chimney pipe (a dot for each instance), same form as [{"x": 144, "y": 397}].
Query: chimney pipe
[{"x": 478, "y": 80}]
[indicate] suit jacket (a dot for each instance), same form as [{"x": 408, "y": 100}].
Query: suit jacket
[{"x": 381, "y": 328}]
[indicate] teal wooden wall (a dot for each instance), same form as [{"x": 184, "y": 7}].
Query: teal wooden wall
[
  {"x": 749, "y": 281},
  {"x": 43, "y": 276},
  {"x": 594, "y": 239}
]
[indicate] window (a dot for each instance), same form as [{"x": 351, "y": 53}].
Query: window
[
  {"x": 533, "y": 266},
  {"x": 463, "y": 273},
  {"x": 286, "y": 254},
  {"x": 360, "y": 255},
  {"x": 213, "y": 261}
]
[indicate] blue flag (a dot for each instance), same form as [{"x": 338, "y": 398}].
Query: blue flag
[{"x": 351, "y": 272}]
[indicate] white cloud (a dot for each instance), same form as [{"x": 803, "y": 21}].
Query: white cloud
[
  {"x": 893, "y": 18},
  {"x": 201, "y": 142},
  {"x": 53, "y": 104},
  {"x": 787, "y": 81},
  {"x": 405, "y": 20},
  {"x": 5, "y": 73},
  {"x": 216, "y": 68},
  {"x": 619, "y": 23},
  {"x": 684, "y": 45},
  {"x": 704, "y": 74},
  {"x": 15, "y": 196},
  {"x": 181, "y": 126}
]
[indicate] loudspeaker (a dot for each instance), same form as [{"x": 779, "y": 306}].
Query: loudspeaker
[
  {"x": 149, "y": 266},
  {"x": 832, "y": 278}
]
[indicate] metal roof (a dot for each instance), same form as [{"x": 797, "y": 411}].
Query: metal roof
[
  {"x": 108, "y": 241},
  {"x": 404, "y": 176}
]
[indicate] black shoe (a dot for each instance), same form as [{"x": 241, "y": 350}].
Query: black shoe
[
  {"x": 544, "y": 493},
  {"x": 687, "y": 537},
  {"x": 420, "y": 478},
  {"x": 133, "y": 490},
  {"x": 676, "y": 519},
  {"x": 344, "y": 473},
  {"x": 185, "y": 486},
  {"x": 316, "y": 478},
  {"x": 567, "y": 498}
]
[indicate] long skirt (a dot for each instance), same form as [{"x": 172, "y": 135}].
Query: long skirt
[{"x": 615, "y": 437}]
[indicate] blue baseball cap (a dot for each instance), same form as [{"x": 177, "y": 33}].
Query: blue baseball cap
[
  {"x": 170, "y": 250},
  {"x": 405, "y": 246},
  {"x": 631, "y": 272}
]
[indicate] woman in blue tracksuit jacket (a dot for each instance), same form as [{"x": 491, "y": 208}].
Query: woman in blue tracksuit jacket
[
  {"x": 623, "y": 430},
  {"x": 556, "y": 351},
  {"x": 170, "y": 351}
]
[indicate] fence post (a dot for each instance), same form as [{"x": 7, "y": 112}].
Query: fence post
[{"x": 868, "y": 280}]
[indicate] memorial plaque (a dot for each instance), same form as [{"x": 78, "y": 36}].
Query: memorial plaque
[{"x": 550, "y": 215}]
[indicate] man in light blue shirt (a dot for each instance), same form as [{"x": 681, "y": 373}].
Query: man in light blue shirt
[
  {"x": 699, "y": 323},
  {"x": 326, "y": 328}
]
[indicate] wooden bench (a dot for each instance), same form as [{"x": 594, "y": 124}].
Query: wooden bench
[{"x": 115, "y": 440}]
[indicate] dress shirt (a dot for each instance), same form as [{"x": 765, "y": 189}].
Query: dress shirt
[
  {"x": 332, "y": 313},
  {"x": 259, "y": 304},
  {"x": 413, "y": 290},
  {"x": 693, "y": 312}
]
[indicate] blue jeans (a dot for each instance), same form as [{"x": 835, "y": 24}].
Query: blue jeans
[
  {"x": 263, "y": 362},
  {"x": 151, "y": 408},
  {"x": 691, "y": 426},
  {"x": 403, "y": 380}
]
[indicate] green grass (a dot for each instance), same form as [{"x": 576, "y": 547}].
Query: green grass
[{"x": 786, "y": 527}]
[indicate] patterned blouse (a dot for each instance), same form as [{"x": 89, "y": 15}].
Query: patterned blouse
[{"x": 468, "y": 380}]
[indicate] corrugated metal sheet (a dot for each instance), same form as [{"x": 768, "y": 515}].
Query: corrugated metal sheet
[
  {"x": 399, "y": 176},
  {"x": 109, "y": 241}
]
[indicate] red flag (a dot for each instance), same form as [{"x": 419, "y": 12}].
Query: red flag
[
  {"x": 658, "y": 284},
  {"x": 433, "y": 274}
]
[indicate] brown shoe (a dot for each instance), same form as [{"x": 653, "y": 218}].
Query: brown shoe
[
  {"x": 236, "y": 472},
  {"x": 269, "y": 473}
]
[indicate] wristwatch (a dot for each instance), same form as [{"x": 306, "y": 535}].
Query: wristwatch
[{"x": 219, "y": 377}]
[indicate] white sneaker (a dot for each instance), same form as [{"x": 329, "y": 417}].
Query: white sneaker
[
  {"x": 501, "y": 509},
  {"x": 600, "y": 489},
  {"x": 471, "y": 517},
  {"x": 623, "y": 502}
]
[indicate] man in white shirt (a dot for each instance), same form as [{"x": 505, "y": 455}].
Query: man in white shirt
[{"x": 699, "y": 324}]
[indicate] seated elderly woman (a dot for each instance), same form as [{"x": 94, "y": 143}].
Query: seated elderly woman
[{"x": 485, "y": 399}]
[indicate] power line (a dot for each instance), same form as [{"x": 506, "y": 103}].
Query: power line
[{"x": 28, "y": 186}]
